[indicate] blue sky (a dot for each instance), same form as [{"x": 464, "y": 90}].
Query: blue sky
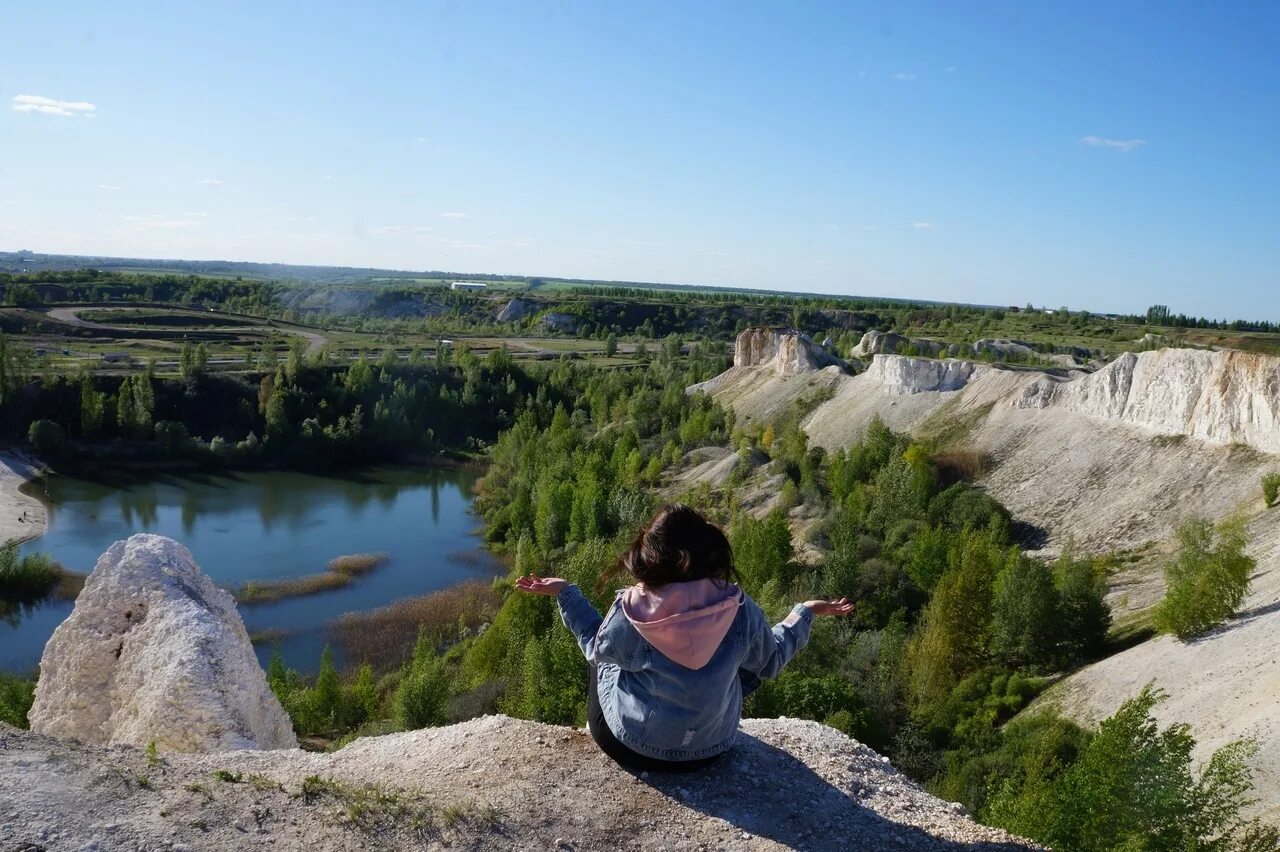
[{"x": 1094, "y": 155}]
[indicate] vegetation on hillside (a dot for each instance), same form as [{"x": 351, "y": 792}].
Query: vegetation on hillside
[
  {"x": 956, "y": 629},
  {"x": 1271, "y": 488},
  {"x": 1207, "y": 579}
]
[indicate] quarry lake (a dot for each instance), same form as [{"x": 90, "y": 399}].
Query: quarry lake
[{"x": 269, "y": 526}]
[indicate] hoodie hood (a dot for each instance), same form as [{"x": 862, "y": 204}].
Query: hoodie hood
[{"x": 687, "y": 621}]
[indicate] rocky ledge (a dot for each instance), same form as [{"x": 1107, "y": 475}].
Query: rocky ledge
[
  {"x": 491, "y": 783},
  {"x": 154, "y": 730}
]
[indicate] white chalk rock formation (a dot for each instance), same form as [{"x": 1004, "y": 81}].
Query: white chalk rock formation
[
  {"x": 1224, "y": 397},
  {"x": 902, "y": 375},
  {"x": 516, "y": 310},
  {"x": 154, "y": 651},
  {"x": 878, "y": 343},
  {"x": 785, "y": 351}
]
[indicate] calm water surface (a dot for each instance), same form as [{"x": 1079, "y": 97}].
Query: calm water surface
[{"x": 262, "y": 526}]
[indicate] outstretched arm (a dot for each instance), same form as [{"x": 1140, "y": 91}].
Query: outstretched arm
[
  {"x": 576, "y": 611},
  {"x": 772, "y": 648}
]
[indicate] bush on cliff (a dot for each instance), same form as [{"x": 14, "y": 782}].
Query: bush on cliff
[
  {"x": 16, "y": 698},
  {"x": 1208, "y": 578},
  {"x": 1271, "y": 488},
  {"x": 1131, "y": 787}
]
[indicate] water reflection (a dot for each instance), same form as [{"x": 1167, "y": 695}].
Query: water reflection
[{"x": 263, "y": 526}]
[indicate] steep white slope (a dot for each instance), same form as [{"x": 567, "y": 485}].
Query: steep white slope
[
  {"x": 1225, "y": 685},
  {"x": 1115, "y": 459},
  {"x": 1220, "y": 397},
  {"x": 772, "y": 368}
]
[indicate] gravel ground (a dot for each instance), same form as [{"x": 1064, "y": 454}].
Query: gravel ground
[{"x": 491, "y": 783}]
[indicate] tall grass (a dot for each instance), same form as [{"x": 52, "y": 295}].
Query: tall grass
[
  {"x": 26, "y": 579},
  {"x": 385, "y": 637}
]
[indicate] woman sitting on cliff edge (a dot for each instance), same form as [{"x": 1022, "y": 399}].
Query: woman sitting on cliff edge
[{"x": 673, "y": 657}]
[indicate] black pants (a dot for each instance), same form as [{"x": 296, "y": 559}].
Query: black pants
[{"x": 622, "y": 755}]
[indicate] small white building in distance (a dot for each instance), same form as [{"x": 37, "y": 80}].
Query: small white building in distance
[{"x": 467, "y": 285}]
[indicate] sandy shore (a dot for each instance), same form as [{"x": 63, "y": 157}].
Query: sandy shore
[{"x": 21, "y": 516}]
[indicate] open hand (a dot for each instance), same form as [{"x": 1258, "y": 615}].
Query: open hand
[
  {"x": 550, "y": 586},
  {"x": 840, "y": 607}
]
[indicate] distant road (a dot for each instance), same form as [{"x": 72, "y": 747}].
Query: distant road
[{"x": 71, "y": 316}]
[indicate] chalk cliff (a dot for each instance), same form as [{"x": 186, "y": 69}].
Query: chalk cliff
[
  {"x": 1113, "y": 460},
  {"x": 1221, "y": 397}
]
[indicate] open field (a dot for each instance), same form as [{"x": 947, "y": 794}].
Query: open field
[{"x": 117, "y": 338}]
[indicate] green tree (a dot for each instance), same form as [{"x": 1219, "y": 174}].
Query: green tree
[
  {"x": 1207, "y": 579},
  {"x": 93, "y": 404},
  {"x": 761, "y": 548},
  {"x": 187, "y": 360},
  {"x": 171, "y": 435},
  {"x": 1083, "y": 614},
  {"x": 16, "y": 697},
  {"x": 422, "y": 698},
  {"x": 326, "y": 697},
  {"x": 47, "y": 437},
  {"x": 955, "y": 626},
  {"x": 611, "y": 345},
  {"x": 1133, "y": 788},
  {"x": 1024, "y": 624}
]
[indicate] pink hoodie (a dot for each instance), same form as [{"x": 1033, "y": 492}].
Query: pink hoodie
[{"x": 685, "y": 621}]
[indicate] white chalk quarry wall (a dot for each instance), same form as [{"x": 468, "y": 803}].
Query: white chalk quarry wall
[
  {"x": 787, "y": 352},
  {"x": 154, "y": 651},
  {"x": 1221, "y": 397},
  {"x": 903, "y": 375}
]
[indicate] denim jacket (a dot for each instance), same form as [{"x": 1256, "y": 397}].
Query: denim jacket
[{"x": 659, "y": 708}]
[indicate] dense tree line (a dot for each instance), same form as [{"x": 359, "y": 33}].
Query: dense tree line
[{"x": 304, "y": 412}]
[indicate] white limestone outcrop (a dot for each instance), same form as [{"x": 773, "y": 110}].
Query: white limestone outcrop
[
  {"x": 155, "y": 652},
  {"x": 1224, "y": 397},
  {"x": 785, "y": 351},
  {"x": 890, "y": 343},
  {"x": 900, "y": 374},
  {"x": 517, "y": 309}
]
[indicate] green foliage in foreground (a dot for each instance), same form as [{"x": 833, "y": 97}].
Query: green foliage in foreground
[
  {"x": 16, "y": 697},
  {"x": 329, "y": 706},
  {"x": 1208, "y": 578},
  {"x": 1271, "y": 488},
  {"x": 1128, "y": 787},
  {"x": 422, "y": 697}
]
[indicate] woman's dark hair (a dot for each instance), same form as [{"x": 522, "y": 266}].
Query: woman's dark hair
[{"x": 678, "y": 544}]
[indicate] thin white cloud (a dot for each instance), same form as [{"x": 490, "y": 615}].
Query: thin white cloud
[
  {"x": 904, "y": 75},
  {"x": 421, "y": 139},
  {"x": 51, "y": 106},
  {"x": 923, "y": 226},
  {"x": 454, "y": 215},
  {"x": 209, "y": 182},
  {"x": 160, "y": 222},
  {"x": 110, "y": 187},
  {"x": 1124, "y": 146},
  {"x": 399, "y": 230},
  {"x": 950, "y": 69}
]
